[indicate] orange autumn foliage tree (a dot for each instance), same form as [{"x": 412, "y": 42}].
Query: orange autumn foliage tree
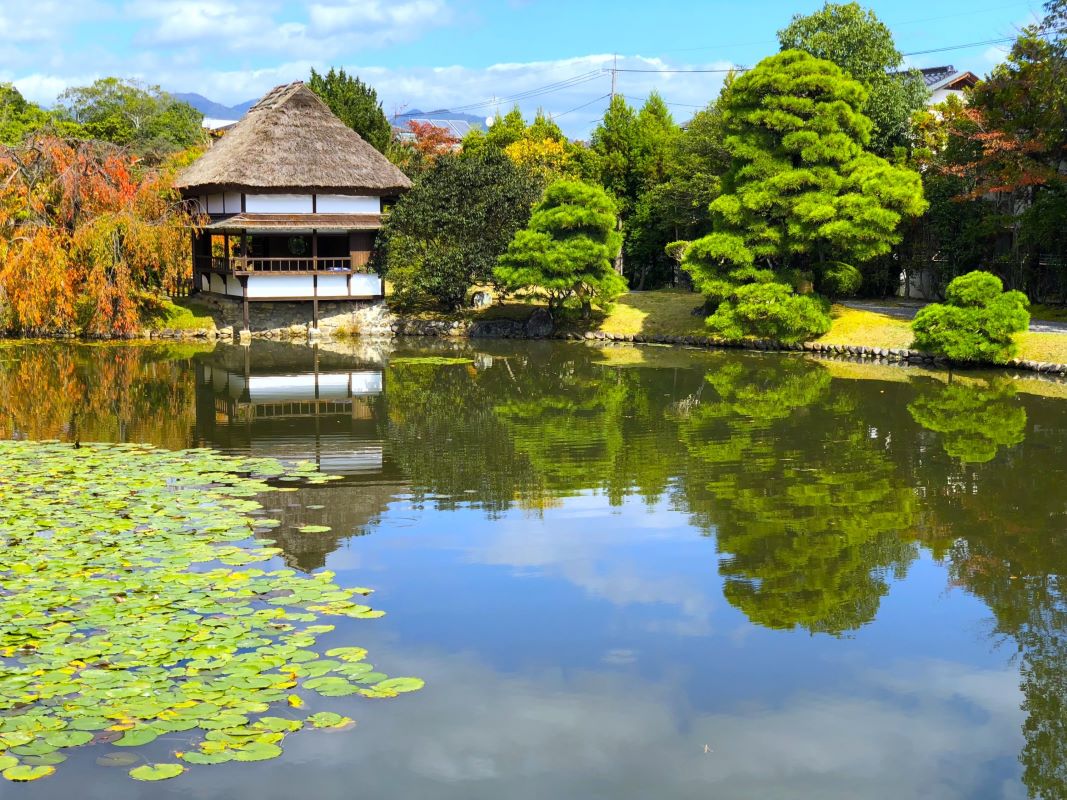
[{"x": 89, "y": 238}]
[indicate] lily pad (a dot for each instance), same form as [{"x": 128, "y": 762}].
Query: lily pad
[
  {"x": 23, "y": 772},
  {"x": 156, "y": 772},
  {"x": 329, "y": 719},
  {"x": 400, "y": 685},
  {"x": 137, "y": 602}
]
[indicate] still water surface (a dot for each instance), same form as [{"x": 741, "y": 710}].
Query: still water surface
[{"x": 634, "y": 572}]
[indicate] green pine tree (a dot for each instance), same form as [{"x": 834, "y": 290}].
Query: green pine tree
[
  {"x": 802, "y": 191},
  {"x": 568, "y": 247},
  {"x": 355, "y": 103}
]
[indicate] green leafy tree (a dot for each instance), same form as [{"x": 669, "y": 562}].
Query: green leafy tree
[
  {"x": 355, "y": 103},
  {"x": 445, "y": 235},
  {"x": 634, "y": 157},
  {"x": 504, "y": 131},
  {"x": 18, "y": 116},
  {"x": 802, "y": 191},
  {"x": 977, "y": 321},
  {"x": 144, "y": 118},
  {"x": 857, "y": 41},
  {"x": 568, "y": 247}
]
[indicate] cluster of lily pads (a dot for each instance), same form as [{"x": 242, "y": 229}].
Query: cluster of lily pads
[{"x": 131, "y": 610}]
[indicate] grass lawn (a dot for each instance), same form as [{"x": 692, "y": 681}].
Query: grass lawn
[
  {"x": 181, "y": 314},
  {"x": 670, "y": 312}
]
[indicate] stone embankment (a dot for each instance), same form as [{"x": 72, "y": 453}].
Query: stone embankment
[{"x": 374, "y": 320}]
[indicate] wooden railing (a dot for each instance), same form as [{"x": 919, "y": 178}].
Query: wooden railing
[
  {"x": 288, "y": 264},
  {"x": 356, "y": 262}
]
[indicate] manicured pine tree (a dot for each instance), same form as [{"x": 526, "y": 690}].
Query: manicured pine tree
[
  {"x": 802, "y": 191},
  {"x": 568, "y": 247}
]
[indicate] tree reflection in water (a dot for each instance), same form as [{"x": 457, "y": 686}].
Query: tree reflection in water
[
  {"x": 819, "y": 491},
  {"x": 810, "y": 515}
]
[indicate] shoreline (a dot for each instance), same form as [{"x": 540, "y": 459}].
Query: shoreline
[{"x": 510, "y": 329}]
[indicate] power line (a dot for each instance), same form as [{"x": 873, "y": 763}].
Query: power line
[
  {"x": 681, "y": 105},
  {"x": 566, "y": 83},
  {"x": 664, "y": 71},
  {"x": 583, "y": 105}
]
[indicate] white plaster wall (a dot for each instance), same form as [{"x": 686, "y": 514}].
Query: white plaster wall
[
  {"x": 366, "y": 285},
  {"x": 232, "y": 202},
  {"x": 346, "y": 204},
  {"x": 278, "y": 203},
  {"x": 333, "y": 286},
  {"x": 216, "y": 204},
  {"x": 205, "y": 284},
  {"x": 941, "y": 95},
  {"x": 218, "y": 285},
  {"x": 295, "y": 286},
  {"x": 233, "y": 286}
]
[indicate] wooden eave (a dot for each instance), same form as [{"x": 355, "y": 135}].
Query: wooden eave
[{"x": 293, "y": 223}]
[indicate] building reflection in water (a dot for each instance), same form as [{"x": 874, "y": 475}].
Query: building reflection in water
[{"x": 303, "y": 403}]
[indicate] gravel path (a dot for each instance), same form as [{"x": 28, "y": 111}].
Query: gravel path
[{"x": 905, "y": 310}]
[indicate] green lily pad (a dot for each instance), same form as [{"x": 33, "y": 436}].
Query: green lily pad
[
  {"x": 400, "y": 685},
  {"x": 329, "y": 719},
  {"x": 156, "y": 772},
  {"x": 68, "y": 738},
  {"x": 136, "y": 737},
  {"x": 133, "y": 607},
  {"x": 348, "y": 653},
  {"x": 313, "y": 528},
  {"x": 197, "y": 757},
  {"x": 257, "y": 751},
  {"x": 23, "y": 773}
]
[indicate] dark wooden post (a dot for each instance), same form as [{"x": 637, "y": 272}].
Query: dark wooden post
[
  {"x": 192, "y": 254},
  {"x": 244, "y": 296},
  {"x": 315, "y": 279},
  {"x": 226, "y": 250}
]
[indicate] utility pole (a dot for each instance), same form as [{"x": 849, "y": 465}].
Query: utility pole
[{"x": 614, "y": 74}]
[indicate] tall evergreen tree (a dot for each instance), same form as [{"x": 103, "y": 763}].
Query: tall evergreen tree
[
  {"x": 857, "y": 41},
  {"x": 355, "y": 103},
  {"x": 801, "y": 191}
]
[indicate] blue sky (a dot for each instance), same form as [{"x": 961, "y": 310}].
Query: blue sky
[{"x": 447, "y": 53}]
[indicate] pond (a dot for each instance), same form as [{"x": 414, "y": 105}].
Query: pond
[{"x": 628, "y": 572}]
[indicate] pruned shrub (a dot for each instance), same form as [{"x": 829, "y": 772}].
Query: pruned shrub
[
  {"x": 838, "y": 279},
  {"x": 977, "y": 321},
  {"x": 770, "y": 310}
]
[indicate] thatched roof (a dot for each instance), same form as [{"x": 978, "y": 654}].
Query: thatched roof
[{"x": 290, "y": 141}]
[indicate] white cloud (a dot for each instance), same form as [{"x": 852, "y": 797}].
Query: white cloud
[
  {"x": 941, "y": 730},
  {"x": 324, "y": 30}
]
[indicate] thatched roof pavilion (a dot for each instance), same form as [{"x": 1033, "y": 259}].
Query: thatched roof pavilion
[
  {"x": 290, "y": 141},
  {"x": 293, "y": 198}
]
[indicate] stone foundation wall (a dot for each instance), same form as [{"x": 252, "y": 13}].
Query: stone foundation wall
[{"x": 373, "y": 320}]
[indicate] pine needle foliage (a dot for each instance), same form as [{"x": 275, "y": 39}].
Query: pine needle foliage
[
  {"x": 976, "y": 322},
  {"x": 568, "y": 248}
]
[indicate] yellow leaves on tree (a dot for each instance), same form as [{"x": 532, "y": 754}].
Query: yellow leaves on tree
[
  {"x": 87, "y": 237},
  {"x": 548, "y": 158}
]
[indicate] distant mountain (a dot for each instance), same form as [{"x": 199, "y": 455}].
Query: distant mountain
[
  {"x": 441, "y": 113},
  {"x": 209, "y": 108}
]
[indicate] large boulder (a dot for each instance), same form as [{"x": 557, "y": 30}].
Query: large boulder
[{"x": 540, "y": 325}]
